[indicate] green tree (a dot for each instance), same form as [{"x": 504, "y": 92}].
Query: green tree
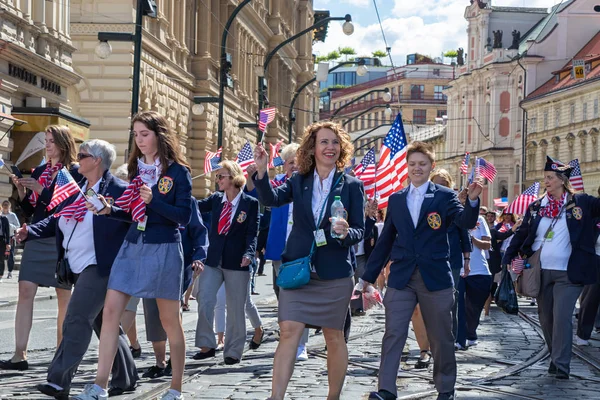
[
  {"x": 347, "y": 51},
  {"x": 332, "y": 56},
  {"x": 321, "y": 59},
  {"x": 451, "y": 54},
  {"x": 379, "y": 54}
]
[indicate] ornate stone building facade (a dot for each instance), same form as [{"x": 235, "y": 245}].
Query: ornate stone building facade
[{"x": 180, "y": 60}]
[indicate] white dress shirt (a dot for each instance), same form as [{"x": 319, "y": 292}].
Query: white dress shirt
[
  {"x": 320, "y": 192},
  {"x": 80, "y": 251},
  {"x": 555, "y": 253},
  {"x": 234, "y": 204}
]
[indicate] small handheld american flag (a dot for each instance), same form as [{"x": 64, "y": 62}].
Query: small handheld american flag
[
  {"x": 212, "y": 160},
  {"x": 76, "y": 210},
  {"x": 518, "y": 265},
  {"x": 265, "y": 117},
  {"x": 65, "y": 187},
  {"x": 275, "y": 159},
  {"x": 486, "y": 169},
  {"x": 465, "y": 164},
  {"x": 576, "y": 179},
  {"x": 245, "y": 158},
  {"x": 365, "y": 171}
]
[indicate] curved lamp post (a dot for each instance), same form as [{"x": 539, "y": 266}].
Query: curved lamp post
[{"x": 387, "y": 97}]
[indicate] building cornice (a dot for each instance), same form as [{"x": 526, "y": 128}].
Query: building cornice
[{"x": 559, "y": 94}]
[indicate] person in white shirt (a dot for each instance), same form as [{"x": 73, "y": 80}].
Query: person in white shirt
[{"x": 13, "y": 220}]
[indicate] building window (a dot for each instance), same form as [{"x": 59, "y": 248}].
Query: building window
[
  {"x": 362, "y": 123},
  {"x": 437, "y": 93},
  {"x": 436, "y": 72},
  {"x": 400, "y": 91},
  {"x": 584, "y": 111},
  {"x": 417, "y": 92},
  {"x": 595, "y": 108},
  {"x": 545, "y": 126},
  {"x": 533, "y": 124},
  {"x": 420, "y": 117},
  {"x": 441, "y": 113},
  {"x": 557, "y": 118},
  {"x": 572, "y": 113},
  {"x": 376, "y": 118}
]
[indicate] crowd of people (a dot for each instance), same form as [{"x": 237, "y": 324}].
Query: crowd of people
[{"x": 140, "y": 235}]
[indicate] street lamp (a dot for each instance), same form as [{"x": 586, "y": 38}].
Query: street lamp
[
  {"x": 361, "y": 70},
  {"x": 388, "y": 112},
  {"x": 348, "y": 29},
  {"x": 104, "y": 49},
  {"x": 386, "y": 97},
  {"x": 198, "y": 107},
  {"x": 292, "y": 113}
]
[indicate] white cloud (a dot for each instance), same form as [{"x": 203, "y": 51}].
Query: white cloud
[{"x": 427, "y": 27}]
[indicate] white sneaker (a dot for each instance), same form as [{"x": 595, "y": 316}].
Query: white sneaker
[
  {"x": 171, "y": 396},
  {"x": 484, "y": 318},
  {"x": 301, "y": 354},
  {"x": 472, "y": 343},
  {"x": 0, "y": 280},
  {"x": 581, "y": 342},
  {"x": 458, "y": 346},
  {"x": 92, "y": 392}
]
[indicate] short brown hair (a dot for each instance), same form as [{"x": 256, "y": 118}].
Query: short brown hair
[
  {"x": 237, "y": 175},
  {"x": 305, "y": 154},
  {"x": 65, "y": 143},
  {"x": 421, "y": 147}
]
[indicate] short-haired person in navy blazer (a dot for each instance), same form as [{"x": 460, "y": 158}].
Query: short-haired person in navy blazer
[
  {"x": 562, "y": 224},
  {"x": 38, "y": 262},
  {"x": 150, "y": 261},
  {"x": 416, "y": 234},
  {"x": 324, "y": 152},
  {"x": 232, "y": 247},
  {"x": 80, "y": 237}
]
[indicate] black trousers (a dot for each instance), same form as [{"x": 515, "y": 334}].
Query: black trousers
[{"x": 590, "y": 301}]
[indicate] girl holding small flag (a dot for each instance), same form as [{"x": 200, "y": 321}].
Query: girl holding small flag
[
  {"x": 150, "y": 261},
  {"x": 38, "y": 263}
]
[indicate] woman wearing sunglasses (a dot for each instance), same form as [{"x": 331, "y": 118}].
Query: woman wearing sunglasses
[
  {"x": 232, "y": 246},
  {"x": 38, "y": 263}
]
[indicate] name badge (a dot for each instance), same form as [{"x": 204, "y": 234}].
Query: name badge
[
  {"x": 549, "y": 236},
  {"x": 320, "y": 239},
  {"x": 428, "y": 195},
  {"x": 142, "y": 224}
]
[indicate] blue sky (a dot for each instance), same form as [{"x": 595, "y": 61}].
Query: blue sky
[{"x": 411, "y": 26}]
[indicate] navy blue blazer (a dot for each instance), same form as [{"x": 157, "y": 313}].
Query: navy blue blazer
[
  {"x": 194, "y": 237},
  {"x": 170, "y": 208},
  {"x": 425, "y": 246},
  {"x": 228, "y": 250},
  {"x": 109, "y": 233},
  {"x": 460, "y": 243},
  {"x": 39, "y": 212},
  {"x": 582, "y": 263},
  {"x": 332, "y": 261}
]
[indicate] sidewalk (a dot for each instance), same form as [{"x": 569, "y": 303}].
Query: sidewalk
[{"x": 9, "y": 290}]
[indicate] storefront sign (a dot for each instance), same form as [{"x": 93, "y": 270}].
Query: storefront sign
[{"x": 31, "y": 78}]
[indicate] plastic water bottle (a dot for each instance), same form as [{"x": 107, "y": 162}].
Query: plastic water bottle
[{"x": 337, "y": 211}]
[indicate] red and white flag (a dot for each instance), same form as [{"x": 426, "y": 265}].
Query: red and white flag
[
  {"x": 75, "y": 210},
  {"x": 265, "y": 117},
  {"x": 245, "y": 158},
  {"x": 212, "y": 160},
  {"x": 64, "y": 188},
  {"x": 576, "y": 179},
  {"x": 275, "y": 159},
  {"x": 520, "y": 204},
  {"x": 365, "y": 171},
  {"x": 465, "y": 164},
  {"x": 392, "y": 170}
]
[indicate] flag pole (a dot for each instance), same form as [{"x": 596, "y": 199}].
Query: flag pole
[{"x": 198, "y": 176}]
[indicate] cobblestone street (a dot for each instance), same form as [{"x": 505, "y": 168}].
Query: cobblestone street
[{"x": 510, "y": 362}]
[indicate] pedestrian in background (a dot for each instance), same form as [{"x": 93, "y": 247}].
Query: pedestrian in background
[
  {"x": 38, "y": 262},
  {"x": 323, "y": 302},
  {"x": 13, "y": 220}
]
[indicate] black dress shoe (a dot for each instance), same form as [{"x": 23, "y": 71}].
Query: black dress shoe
[
  {"x": 446, "y": 396},
  {"x": 117, "y": 391},
  {"x": 201, "y": 356},
  {"x": 18, "y": 366},
  {"x": 560, "y": 374},
  {"x": 136, "y": 353},
  {"x": 552, "y": 368},
  {"x": 381, "y": 395},
  {"x": 231, "y": 360},
  {"x": 52, "y": 391},
  {"x": 254, "y": 345},
  {"x": 154, "y": 372}
]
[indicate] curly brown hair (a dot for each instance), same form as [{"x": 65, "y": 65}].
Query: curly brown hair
[
  {"x": 306, "y": 156},
  {"x": 167, "y": 143}
]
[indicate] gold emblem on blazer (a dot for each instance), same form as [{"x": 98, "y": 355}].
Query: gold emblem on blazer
[
  {"x": 434, "y": 220},
  {"x": 577, "y": 213},
  {"x": 241, "y": 217},
  {"x": 110, "y": 200},
  {"x": 165, "y": 185}
]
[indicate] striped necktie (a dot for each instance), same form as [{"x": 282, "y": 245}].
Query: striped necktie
[{"x": 225, "y": 218}]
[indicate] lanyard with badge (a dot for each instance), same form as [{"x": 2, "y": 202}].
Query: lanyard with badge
[
  {"x": 320, "y": 238},
  {"x": 549, "y": 235}
]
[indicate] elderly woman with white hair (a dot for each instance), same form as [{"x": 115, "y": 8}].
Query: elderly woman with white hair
[{"x": 90, "y": 261}]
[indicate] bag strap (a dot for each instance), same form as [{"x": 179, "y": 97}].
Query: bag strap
[
  {"x": 312, "y": 247},
  {"x": 71, "y": 237}
]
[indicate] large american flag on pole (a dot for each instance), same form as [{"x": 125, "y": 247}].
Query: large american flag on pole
[
  {"x": 275, "y": 159},
  {"x": 392, "y": 170},
  {"x": 465, "y": 164},
  {"x": 365, "y": 171},
  {"x": 265, "y": 117},
  {"x": 520, "y": 204},
  {"x": 576, "y": 178},
  {"x": 245, "y": 158},
  {"x": 64, "y": 188},
  {"x": 486, "y": 169},
  {"x": 212, "y": 160}
]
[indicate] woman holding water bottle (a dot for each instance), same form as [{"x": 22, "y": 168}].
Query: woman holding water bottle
[{"x": 334, "y": 229}]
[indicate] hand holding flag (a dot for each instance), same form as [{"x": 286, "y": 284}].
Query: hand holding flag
[
  {"x": 245, "y": 158},
  {"x": 64, "y": 188}
]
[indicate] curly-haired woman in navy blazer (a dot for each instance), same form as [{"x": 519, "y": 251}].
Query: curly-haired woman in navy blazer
[
  {"x": 150, "y": 261},
  {"x": 324, "y": 301},
  {"x": 39, "y": 258}
]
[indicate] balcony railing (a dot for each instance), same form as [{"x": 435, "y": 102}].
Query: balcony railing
[
  {"x": 385, "y": 80},
  {"x": 420, "y": 99},
  {"x": 353, "y": 109}
]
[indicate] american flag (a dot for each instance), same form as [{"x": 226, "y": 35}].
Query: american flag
[
  {"x": 276, "y": 159},
  {"x": 75, "y": 210},
  {"x": 576, "y": 178},
  {"x": 245, "y": 157},
  {"x": 65, "y": 187},
  {"x": 520, "y": 204},
  {"x": 279, "y": 180},
  {"x": 212, "y": 160},
  {"x": 465, "y": 164},
  {"x": 365, "y": 171},
  {"x": 131, "y": 202},
  {"x": 265, "y": 117},
  {"x": 392, "y": 170},
  {"x": 486, "y": 169},
  {"x": 350, "y": 167}
]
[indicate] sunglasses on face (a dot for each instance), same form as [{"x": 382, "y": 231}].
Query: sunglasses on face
[
  {"x": 219, "y": 176},
  {"x": 81, "y": 156}
]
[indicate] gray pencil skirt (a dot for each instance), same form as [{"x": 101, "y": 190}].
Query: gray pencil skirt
[
  {"x": 148, "y": 270},
  {"x": 38, "y": 264},
  {"x": 319, "y": 303}
]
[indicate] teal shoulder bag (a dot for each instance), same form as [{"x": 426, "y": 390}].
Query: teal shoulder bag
[{"x": 296, "y": 273}]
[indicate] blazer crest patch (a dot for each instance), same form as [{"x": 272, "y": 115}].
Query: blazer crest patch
[
  {"x": 434, "y": 220},
  {"x": 241, "y": 217},
  {"x": 165, "y": 185},
  {"x": 577, "y": 213},
  {"x": 110, "y": 200}
]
